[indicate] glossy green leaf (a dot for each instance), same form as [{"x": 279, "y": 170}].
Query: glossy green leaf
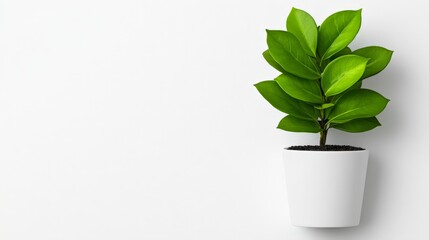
[
  {"x": 335, "y": 98},
  {"x": 302, "y": 89},
  {"x": 358, "y": 125},
  {"x": 357, "y": 85},
  {"x": 360, "y": 103},
  {"x": 287, "y": 51},
  {"x": 271, "y": 61},
  {"x": 337, "y": 31},
  {"x": 293, "y": 124},
  {"x": 272, "y": 92},
  {"x": 303, "y": 26},
  {"x": 342, "y": 73},
  {"x": 343, "y": 52},
  {"x": 379, "y": 58},
  {"x": 325, "y": 106}
]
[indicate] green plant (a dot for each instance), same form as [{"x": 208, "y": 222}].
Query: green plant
[{"x": 321, "y": 77}]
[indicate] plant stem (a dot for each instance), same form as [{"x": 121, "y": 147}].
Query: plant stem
[
  {"x": 323, "y": 135},
  {"x": 324, "y": 132},
  {"x": 322, "y": 122}
]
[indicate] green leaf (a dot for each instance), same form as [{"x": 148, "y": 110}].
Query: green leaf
[
  {"x": 343, "y": 52},
  {"x": 342, "y": 73},
  {"x": 357, "y": 85},
  {"x": 287, "y": 52},
  {"x": 325, "y": 106},
  {"x": 271, "y": 61},
  {"x": 272, "y": 92},
  {"x": 359, "y": 103},
  {"x": 293, "y": 124},
  {"x": 335, "y": 98},
  {"x": 337, "y": 31},
  {"x": 303, "y": 26},
  {"x": 379, "y": 58},
  {"x": 302, "y": 89},
  {"x": 358, "y": 125}
]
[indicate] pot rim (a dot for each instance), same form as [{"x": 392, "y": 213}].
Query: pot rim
[{"x": 324, "y": 152}]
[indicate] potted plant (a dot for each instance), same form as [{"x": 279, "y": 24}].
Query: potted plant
[{"x": 320, "y": 88}]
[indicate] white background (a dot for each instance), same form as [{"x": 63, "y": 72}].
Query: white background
[{"x": 139, "y": 120}]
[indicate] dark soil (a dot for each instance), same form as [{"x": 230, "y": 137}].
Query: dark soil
[{"x": 325, "y": 148}]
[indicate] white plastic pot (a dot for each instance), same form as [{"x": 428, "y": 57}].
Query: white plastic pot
[{"x": 325, "y": 188}]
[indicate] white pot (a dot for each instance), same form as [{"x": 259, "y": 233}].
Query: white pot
[{"x": 325, "y": 188}]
